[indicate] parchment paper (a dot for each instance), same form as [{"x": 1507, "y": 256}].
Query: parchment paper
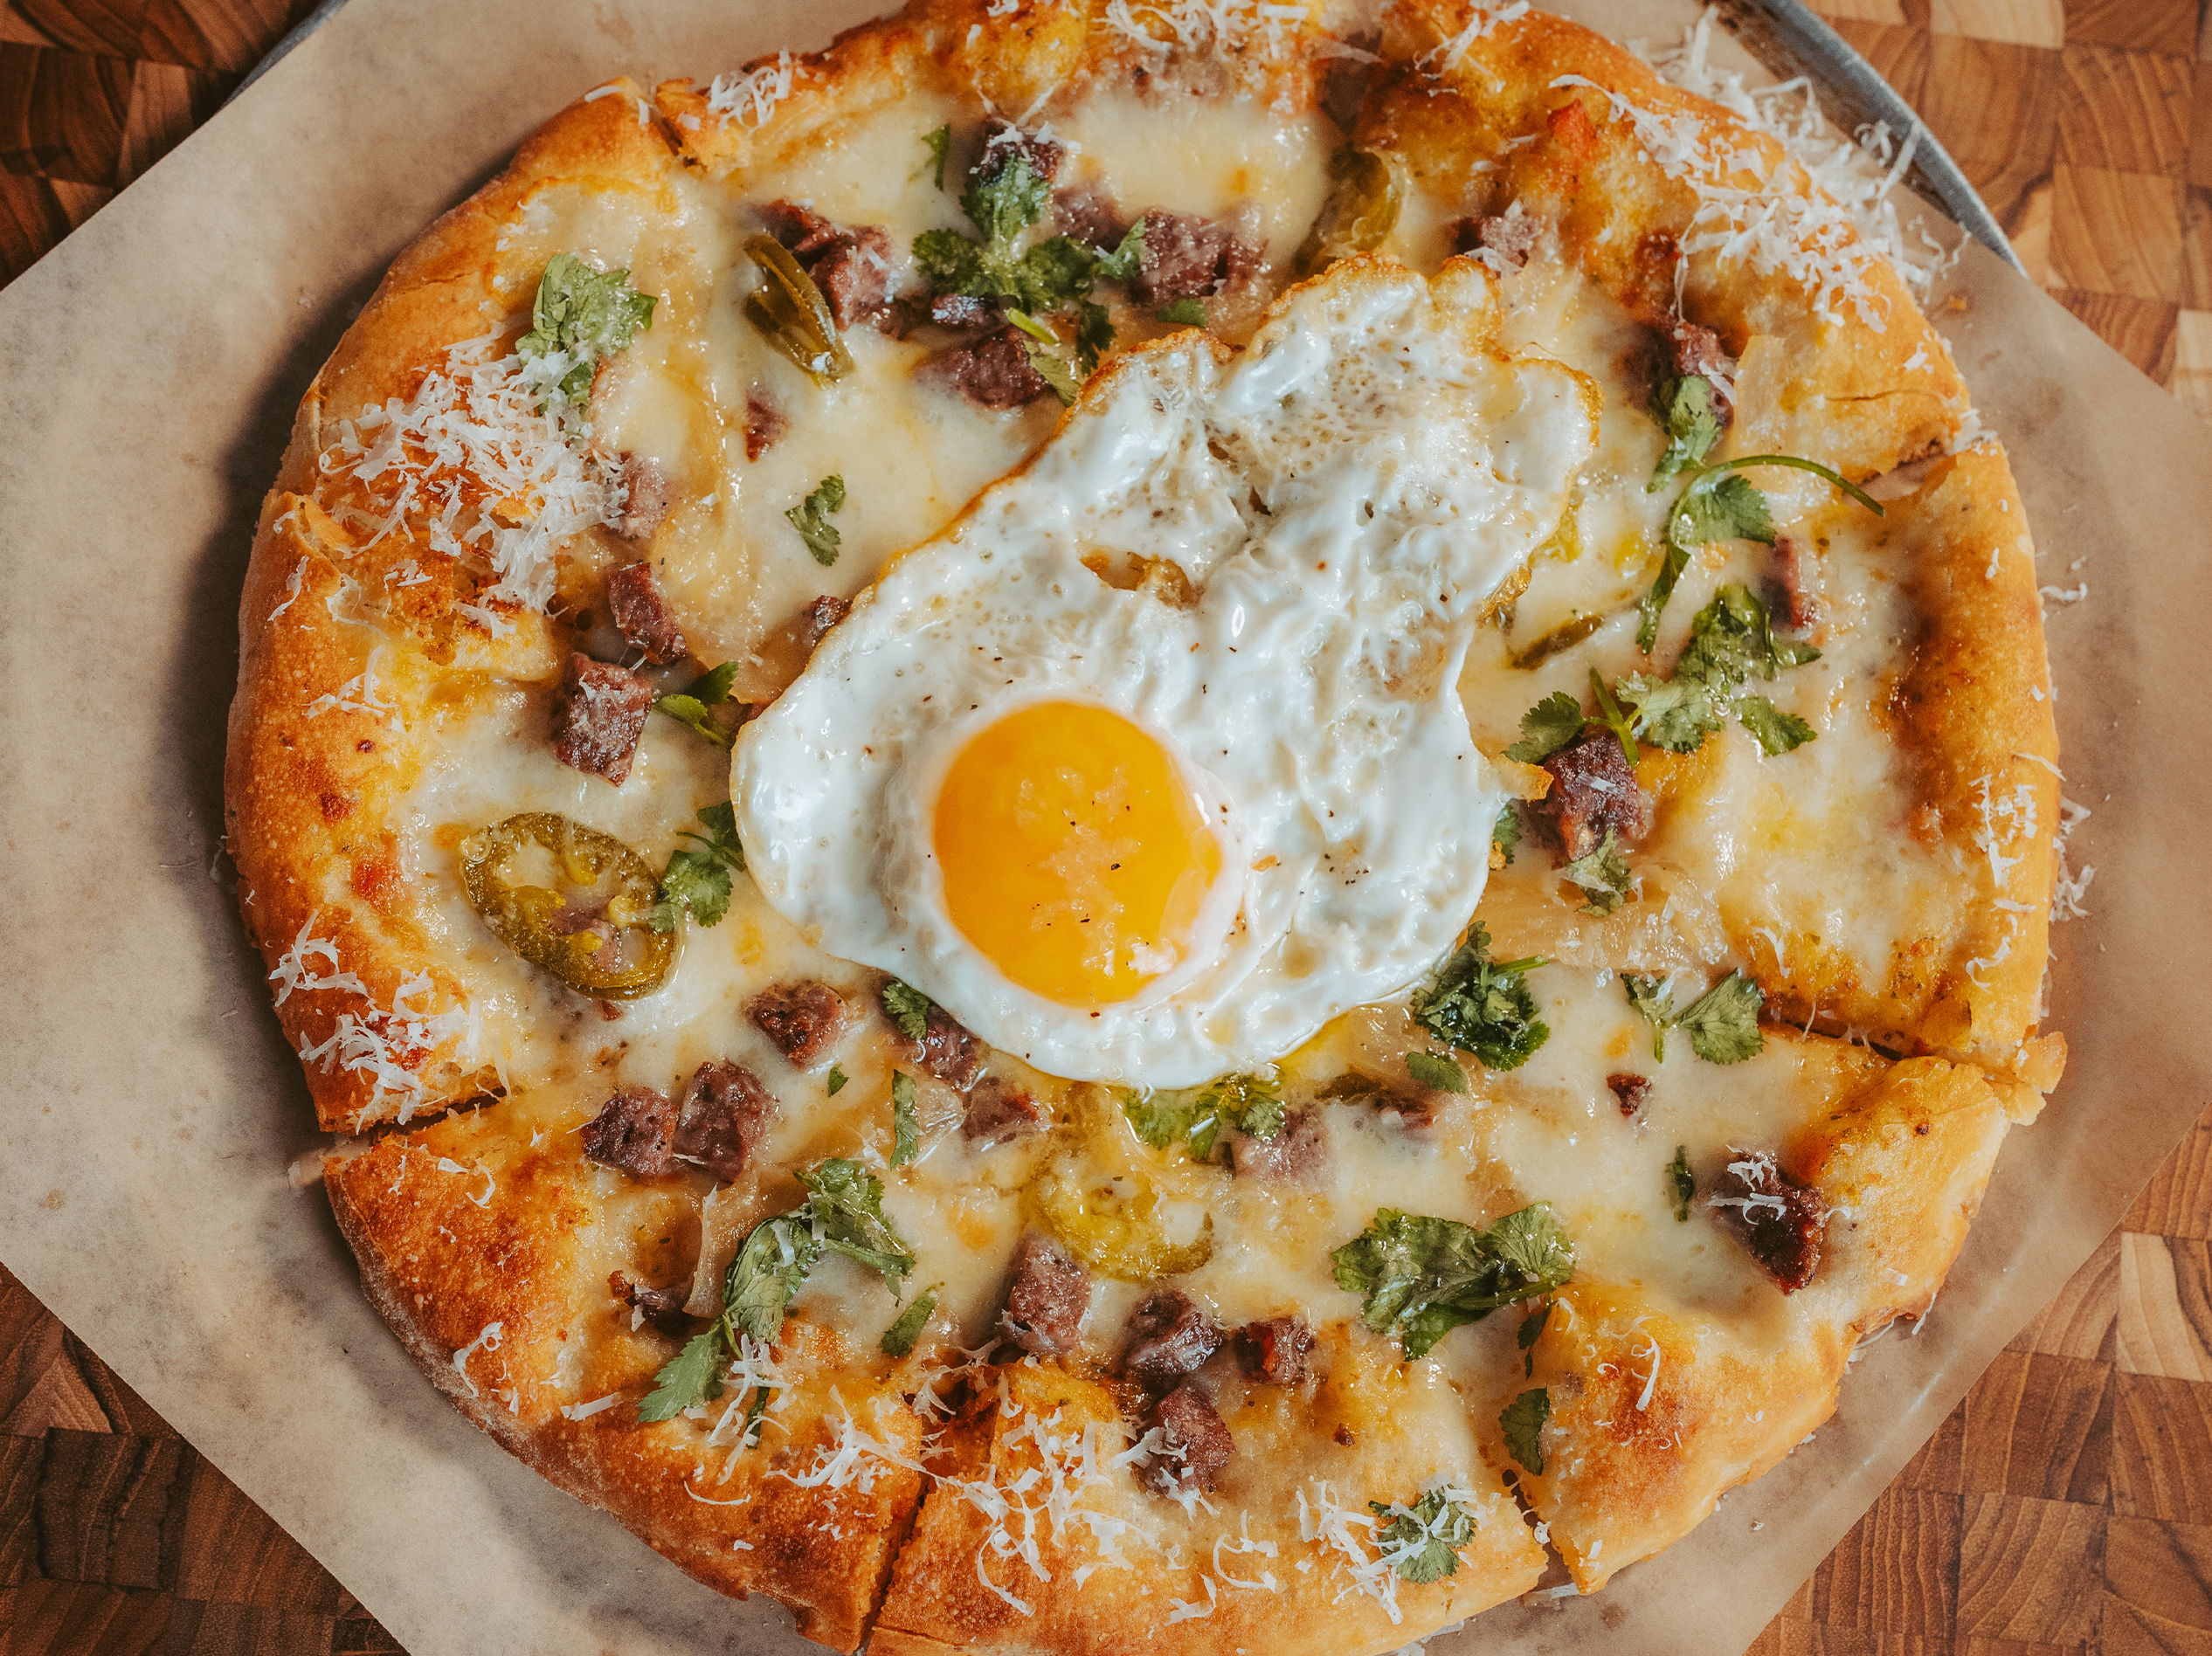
[{"x": 149, "y": 1107}]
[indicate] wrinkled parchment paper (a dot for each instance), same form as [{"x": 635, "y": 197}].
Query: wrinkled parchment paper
[{"x": 149, "y": 1106}]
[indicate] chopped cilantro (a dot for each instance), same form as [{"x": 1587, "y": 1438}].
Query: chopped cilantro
[
  {"x": 899, "y": 1338},
  {"x": 689, "y": 708},
  {"x": 1682, "y": 1184},
  {"x": 1188, "y": 313},
  {"x": 1603, "y": 875},
  {"x": 1609, "y": 714},
  {"x": 686, "y": 1379},
  {"x": 1423, "y": 1277},
  {"x": 697, "y": 881},
  {"x": 1094, "y": 334},
  {"x": 1482, "y": 1006},
  {"x": 1719, "y": 505},
  {"x": 1196, "y": 1115},
  {"x": 906, "y": 1125},
  {"x": 940, "y": 143},
  {"x": 1522, "y": 1424},
  {"x": 770, "y": 1268},
  {"x": 579, "y": 317},
  {"x": 1532, "y": 1330},
  {"x": 1684, "y": 411},
  {"x": 1505, "y": 832},
  {"x": 1127, "y": 258},
  {"x": 1433, "y": 1070},
  {"x": 1732, "y": 639},
  {"x": 1721, "y": 1023},
  {"x": 1421, "y": 1542},
  {"x": 1546, "y": 728},
  {"x": 1004, "y": 196},
  {"x": 845, "y": 1202},
  {"x": 834, "y": 1083},
  {"x": 811, "y": 517},
  {"x": 908, "y": 1008}
]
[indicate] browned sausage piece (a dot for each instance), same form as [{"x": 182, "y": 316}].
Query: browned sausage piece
[
  {"x": 1278, "y": 1350},
  {"x": 824, "y": 613},
  {"x": 632, "y": 1132},
  {"x": 1198, "y": 1444},
  {"x": 642, "y": 614},
  {"x": 1169, "y": 1337},
  {"x": 663, "y": 1307},
  {"x": 1047, "y": 1298},
  {"x": 994, "y": 372},
  {"x": 726, "y": 1114},
  {"x": 804, "y": 1020},
  {"x": 946, "y": 1049},
  {"x": 1298, "y": 1153},
  {"x": 1592, "y": 791},
  {"x": 1187, "y": 257},
  {"x": 645, "y": 500},
  {"x": 1512, "y": 238},
  {"x": 1780, "y": 1220},
  {"x": 1631, "y": 1091},
  {"x": 1697, "y": 351},
  {"x": 999, "y": 1111},
  {"x": 598, "y": 713}
]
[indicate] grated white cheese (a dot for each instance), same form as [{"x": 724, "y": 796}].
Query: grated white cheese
[
  {"x": 357, "y": 694},
  {"x": 1200, "y": 26},
  {"x": 488, "y": 1340},
  {"x": 1327, "y": 1526},
  {"x": 291, "y": 590},
  {"x": 1446, "y": 54},
  {"x": 2068, "y": 887},
  {"x": 750, "y": 99},
  {"x": 470, "y": 465},
  {"x": 585, "y": 1410}
]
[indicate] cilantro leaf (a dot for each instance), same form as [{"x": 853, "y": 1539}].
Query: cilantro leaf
[
  {"x": 833, "y": 1083},
  {"x": 698, "y": 882},
  {"x": 579, "y": 316},
  {"x": 1422, "y": 1277},
  {"x": 1685, "y": 413},
  {"x": 1432, "y": 1070},
  {"x": 1731, "y": 640},
  {"x": 1196, "y": 1115},
  {"x": 1505, "y": 833},
  {"x": 906, "y": 1125},
  {"x": 1189, "y": 313},
  {"x": 1682, "y": 1184},
  {"x": 1603, "y": 875},
  {"x": 844, "y": 1201},
  {"x": 770, "y": 1268},
  {"x": 1720, "y": 504},
  {"x": 1522, "y": 1424},
  {"x": 1421, "y": 1542},
  {"x": 1654, "y": 997},
  {"x": 713, "y": 686},
  {"x": 1531, "y": 1330},
  {"x": 899, "y": 1338},
  {"x": 1482, "y": 1006},
  {"x": 1609, "y": 714},
  {"x": 1546, "y": 728},
  {"x": 908, "y": 1008},
  {"x": 1054, "y": 273},
  {"x": 1127, "y": 258},
  {"x": 684, "y": 1379},
  {"x": 1777, "y": 732},
  {"x": 1094, "y": 334},
  {"x": 951, "y": 263},
  {"x": 810, "y": 517},
  {"x": 1723, "y": 1022},
  {"x": 689, "y": 710},
  {"x": 939, "y": 141},
  {"x": 1007, "y": 198}
]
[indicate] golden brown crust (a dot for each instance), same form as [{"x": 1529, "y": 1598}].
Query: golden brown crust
[
  {"x": 1657, "y": 1409},
  {"x": 1866, "y": 387},
  {"x": 468, "y": 1241}
]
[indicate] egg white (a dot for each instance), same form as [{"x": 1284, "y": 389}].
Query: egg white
[{"x": 1345, "y": 500}]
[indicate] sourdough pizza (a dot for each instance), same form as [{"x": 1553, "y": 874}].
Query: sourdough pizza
[{"x": 1122, "y": 824}]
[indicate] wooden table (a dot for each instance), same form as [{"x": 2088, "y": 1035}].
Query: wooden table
[{"x": 2066, "y": 1505}]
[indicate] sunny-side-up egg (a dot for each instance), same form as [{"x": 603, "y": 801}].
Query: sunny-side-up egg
[{"x": 1153, "y": 761}]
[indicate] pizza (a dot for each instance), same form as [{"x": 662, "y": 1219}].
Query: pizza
[{"x": 1126, "y": 825}]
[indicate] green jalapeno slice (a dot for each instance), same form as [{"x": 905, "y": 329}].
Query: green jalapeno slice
[
  {"x": 1359, "y": 214},
  {"x": 791, "y": 313},
  {"x": 612, "y": 880}
]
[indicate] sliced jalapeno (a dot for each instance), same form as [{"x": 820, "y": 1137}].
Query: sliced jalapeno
[
  {"x": 1359, "y": 214},
  {"x": 1113, "y": 1225},
  {"x": 791, "y": 313},
  {"x": 610, "y": 878}
]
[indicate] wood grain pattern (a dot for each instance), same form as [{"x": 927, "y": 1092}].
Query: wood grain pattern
[{"x": 2065, "y": 1507}]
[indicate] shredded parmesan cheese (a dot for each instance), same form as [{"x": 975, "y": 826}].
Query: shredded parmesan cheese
[
  {"x": 487, "y": 1340},
  {"x": 751, "y": 97}
]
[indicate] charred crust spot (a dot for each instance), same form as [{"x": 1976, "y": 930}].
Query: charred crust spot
[{"x": 336, "y": 807}]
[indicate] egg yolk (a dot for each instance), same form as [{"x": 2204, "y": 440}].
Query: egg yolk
[{"x": 1074, "y": 854}]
